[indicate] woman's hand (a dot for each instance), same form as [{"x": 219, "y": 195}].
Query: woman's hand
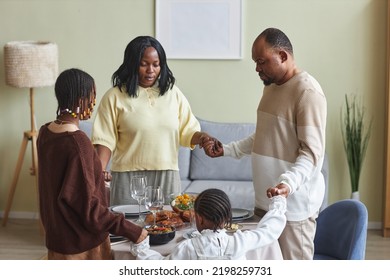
[{"x": 212, "y": 146}]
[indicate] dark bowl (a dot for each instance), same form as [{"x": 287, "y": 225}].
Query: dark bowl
[{"x": 160, "y": 238}]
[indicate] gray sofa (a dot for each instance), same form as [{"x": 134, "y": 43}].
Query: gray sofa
[{"x": 199, "y": 172}]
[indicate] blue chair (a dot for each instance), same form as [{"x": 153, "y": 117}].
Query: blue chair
[{"x": 341, "y": 231}]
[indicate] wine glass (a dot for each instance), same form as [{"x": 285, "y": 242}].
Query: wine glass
[
  {"x": 137, "y": 190},
  {"x": 154, "y": 200}
]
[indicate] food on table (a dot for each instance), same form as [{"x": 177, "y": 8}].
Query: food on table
[
  {"x": 233, "y": 227},
  {"x": 160, "y": 234},
  {"x": 166, "y": 218},
  {"x": 159, "y": 229},
  {"x": 186, "y": 215},
  {"x": 161, "y": 215},
  {"x": 183, "y": 204},
  {"x": 175, "y": 222}
]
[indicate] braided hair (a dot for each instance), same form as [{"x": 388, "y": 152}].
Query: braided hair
[
  {"x": 74, "y": 88},
  {"x": 127, "y": 73},
  {"x": 214, "y": 205}
]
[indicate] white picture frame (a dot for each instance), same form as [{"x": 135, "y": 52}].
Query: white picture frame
[{"x": 199, "y": 29}]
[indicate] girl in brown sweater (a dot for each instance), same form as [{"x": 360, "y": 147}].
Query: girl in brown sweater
[{"x": 73, "y": 205}]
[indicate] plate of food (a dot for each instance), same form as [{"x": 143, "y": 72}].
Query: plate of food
[
  {"x": 129, "y": 210},
  {"x": 233, "y": 228}
]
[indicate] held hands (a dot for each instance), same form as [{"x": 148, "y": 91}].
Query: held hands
[
  {"x": 212, "y": 146},
  {"x": 107, "y": 176},
  {"x": 281, "y": 189},
  {"x": 141, "y": 245}
]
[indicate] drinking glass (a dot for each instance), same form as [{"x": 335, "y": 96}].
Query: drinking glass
[
  {"x": 137, "y": 190},
  {"x": 154, "y": 200}
]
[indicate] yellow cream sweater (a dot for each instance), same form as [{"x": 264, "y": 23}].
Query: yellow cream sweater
[{"x": 144, "y": 133}]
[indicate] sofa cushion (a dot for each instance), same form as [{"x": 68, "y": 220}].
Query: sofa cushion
[
  {"x": 184, "y": 162},
  {"x": 223, "y": 168},
  {"x": 184, "y": 184}
]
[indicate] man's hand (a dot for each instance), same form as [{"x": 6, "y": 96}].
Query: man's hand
[{"x": 281, "y": 189}]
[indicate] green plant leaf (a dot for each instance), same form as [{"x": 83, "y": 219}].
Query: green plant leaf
[{"x": 355, "y": 137}]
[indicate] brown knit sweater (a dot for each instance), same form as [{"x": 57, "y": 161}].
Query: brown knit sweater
[{"x": 73, "y": 205}]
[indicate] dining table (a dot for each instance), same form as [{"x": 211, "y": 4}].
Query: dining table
[{"x": 121, "y": 248}]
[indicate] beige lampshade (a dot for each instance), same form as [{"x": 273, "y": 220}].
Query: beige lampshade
[{"x": 30, "y": 63}]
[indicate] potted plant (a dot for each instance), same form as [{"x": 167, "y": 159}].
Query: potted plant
[{"x": 355, "y": 136}]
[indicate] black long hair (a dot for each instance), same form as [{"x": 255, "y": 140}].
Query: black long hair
[
  {"x": 127, "y": 73},
  {"x": 71, "y": 87},
  {"x": 214, "y": 205}
]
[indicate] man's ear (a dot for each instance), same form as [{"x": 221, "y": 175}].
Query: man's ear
[{"x": 283, "y": 55}]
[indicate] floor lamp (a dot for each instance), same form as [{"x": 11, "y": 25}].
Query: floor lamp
[{"x": 29, "y": 64}]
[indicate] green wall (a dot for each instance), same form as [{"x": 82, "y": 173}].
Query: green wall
[{"x": 340, "y": 42}]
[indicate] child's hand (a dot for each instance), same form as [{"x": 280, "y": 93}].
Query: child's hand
[
  {"x": 281, "y": 189},
  {"x": 107, "y": 176},
  {"x": 143, "y": 235}
]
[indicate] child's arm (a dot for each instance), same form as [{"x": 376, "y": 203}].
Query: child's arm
[
  {"x": 143, "y": 252},
  {"x": 268, "y": 229},
  {"x": 182, "y": 251},
  {"x": 274, "y": 221}
]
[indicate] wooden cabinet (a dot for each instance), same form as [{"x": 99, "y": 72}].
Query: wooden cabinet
[{"x": 386, "y": 196}]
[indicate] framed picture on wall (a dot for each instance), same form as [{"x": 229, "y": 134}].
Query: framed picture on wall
[{"x": 199, "y": 29}]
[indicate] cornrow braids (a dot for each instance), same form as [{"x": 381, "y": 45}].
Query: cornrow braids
[
  {"x": 75, "y": 92},
  {"x": 214, "y": 205}
]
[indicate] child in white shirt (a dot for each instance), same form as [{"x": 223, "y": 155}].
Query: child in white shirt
[{"x": 213, "y": 212}]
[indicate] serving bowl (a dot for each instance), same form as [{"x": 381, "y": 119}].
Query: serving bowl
[{"x": 159, "y": 234}]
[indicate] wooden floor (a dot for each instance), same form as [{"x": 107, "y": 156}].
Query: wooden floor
[{"x": 22, "y": 240}]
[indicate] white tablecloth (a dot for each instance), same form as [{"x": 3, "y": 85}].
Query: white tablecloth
[{"x": 270, "y": 252}]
